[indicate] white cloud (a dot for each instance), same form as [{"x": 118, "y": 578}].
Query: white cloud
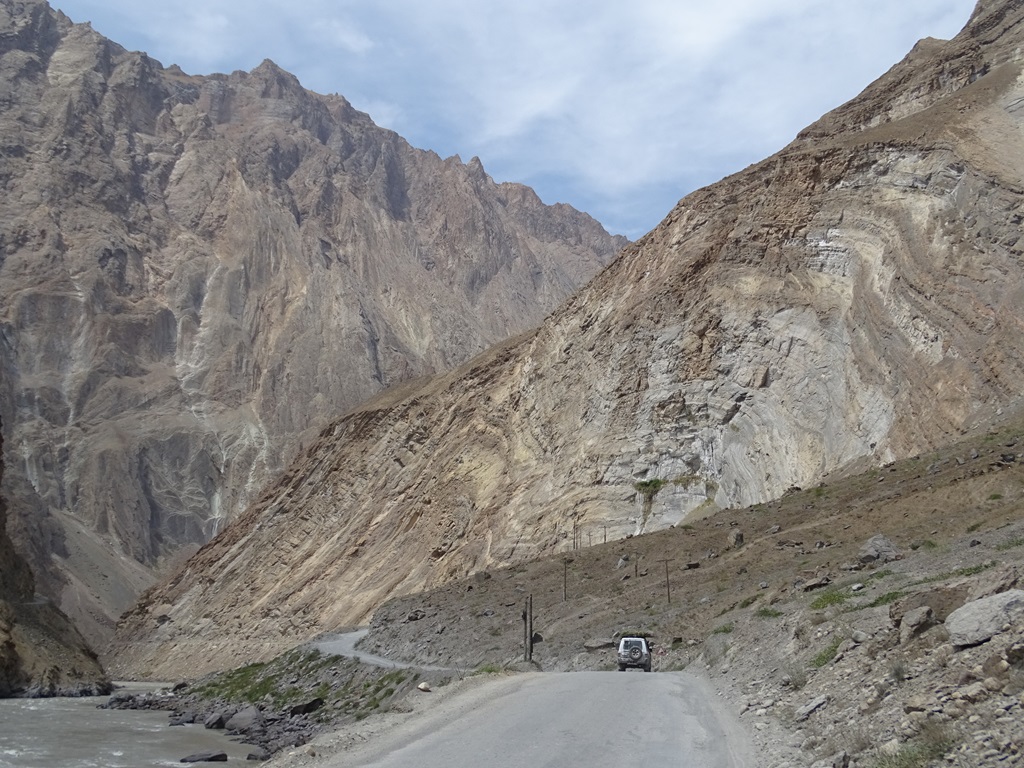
[{"x": 617, "y": 108}]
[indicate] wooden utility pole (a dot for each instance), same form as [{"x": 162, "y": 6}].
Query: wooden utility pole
[
  {"x": 565, "y": 577},
  {"x": 668, "y": 587},
  {"x": 528, "y": 629}
]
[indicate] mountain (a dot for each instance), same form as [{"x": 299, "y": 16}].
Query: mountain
[
  {"x": 853, "y": 299},
  {"x": 198, "y": 273},
  {"x": 41, "y": 652}
]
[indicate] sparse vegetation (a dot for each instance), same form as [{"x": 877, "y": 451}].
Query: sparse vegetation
[
  {"x": 827, "y": 653},
  {"x": 973, "y": 527},
  {"x": 649, "y": 488},
  {"x": 887, "y": 598},
  {"x": 723, "y": 629},
  {"x": 931, "y": 744},
  {"x": 1010, "y": 544},
  {"x": 995, "y": 496},
  {"x": 829, "y": 597},
  {"x": 489, "y": 669},
  {"x": 971, "y": 570},
  {"x": 765, "y": 612},
  {"x": 796, "y": 675}
]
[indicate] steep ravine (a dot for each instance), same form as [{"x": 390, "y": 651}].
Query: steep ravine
[
  {"x": 851, "y": 300},
  {"x": 199, "y": 272}
]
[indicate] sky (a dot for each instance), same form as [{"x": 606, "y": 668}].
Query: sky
[{"x": 616, "y": 107}]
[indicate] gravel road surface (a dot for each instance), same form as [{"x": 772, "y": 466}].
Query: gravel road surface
[{"x": 596, "y": 719}]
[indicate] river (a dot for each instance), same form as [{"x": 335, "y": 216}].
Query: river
[{"x": 73, "y": 733}]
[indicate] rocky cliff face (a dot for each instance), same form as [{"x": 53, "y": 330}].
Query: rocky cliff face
[
  {"x": 854, "y": 298},
  {"x": 199, "y": 272},
  {"x": 41, "y": 652}
]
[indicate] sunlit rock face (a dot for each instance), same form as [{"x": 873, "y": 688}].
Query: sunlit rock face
[
  {"x": 853, "y": 299},
  {"x": 197, "y": 273}
]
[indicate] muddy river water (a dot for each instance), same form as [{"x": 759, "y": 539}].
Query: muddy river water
[{"x": 73, "y": 733}]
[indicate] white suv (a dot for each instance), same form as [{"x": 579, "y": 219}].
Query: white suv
[{"x": 634, "y": 652}]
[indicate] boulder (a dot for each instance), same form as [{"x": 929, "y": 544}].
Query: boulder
[
  {"x": 979, "y": 620},
  {"x": 735, "y": 538},
  {"x": 244, "y": 719},
  {"x": 879, "y": 549},
  {"x": 214, "y": 720},
  {"x": 206, "y": 757}
]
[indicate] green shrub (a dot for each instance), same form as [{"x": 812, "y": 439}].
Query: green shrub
[
  {"x": 1014, "y": 542},
  {"x": 725, "y": 629},
  {"x": 648, "y": 488},
  {"x": 488, "y": 669},
  {"x": 768, "y": 613}
]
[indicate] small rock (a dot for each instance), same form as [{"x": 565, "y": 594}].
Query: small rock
[
  {"x": 424, "y": 686},
  {"x": 916, "y": 704},
  {"x": 812, "y": 706}
]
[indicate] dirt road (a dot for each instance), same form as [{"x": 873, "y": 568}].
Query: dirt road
[{"x": 597, "y": 719}]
